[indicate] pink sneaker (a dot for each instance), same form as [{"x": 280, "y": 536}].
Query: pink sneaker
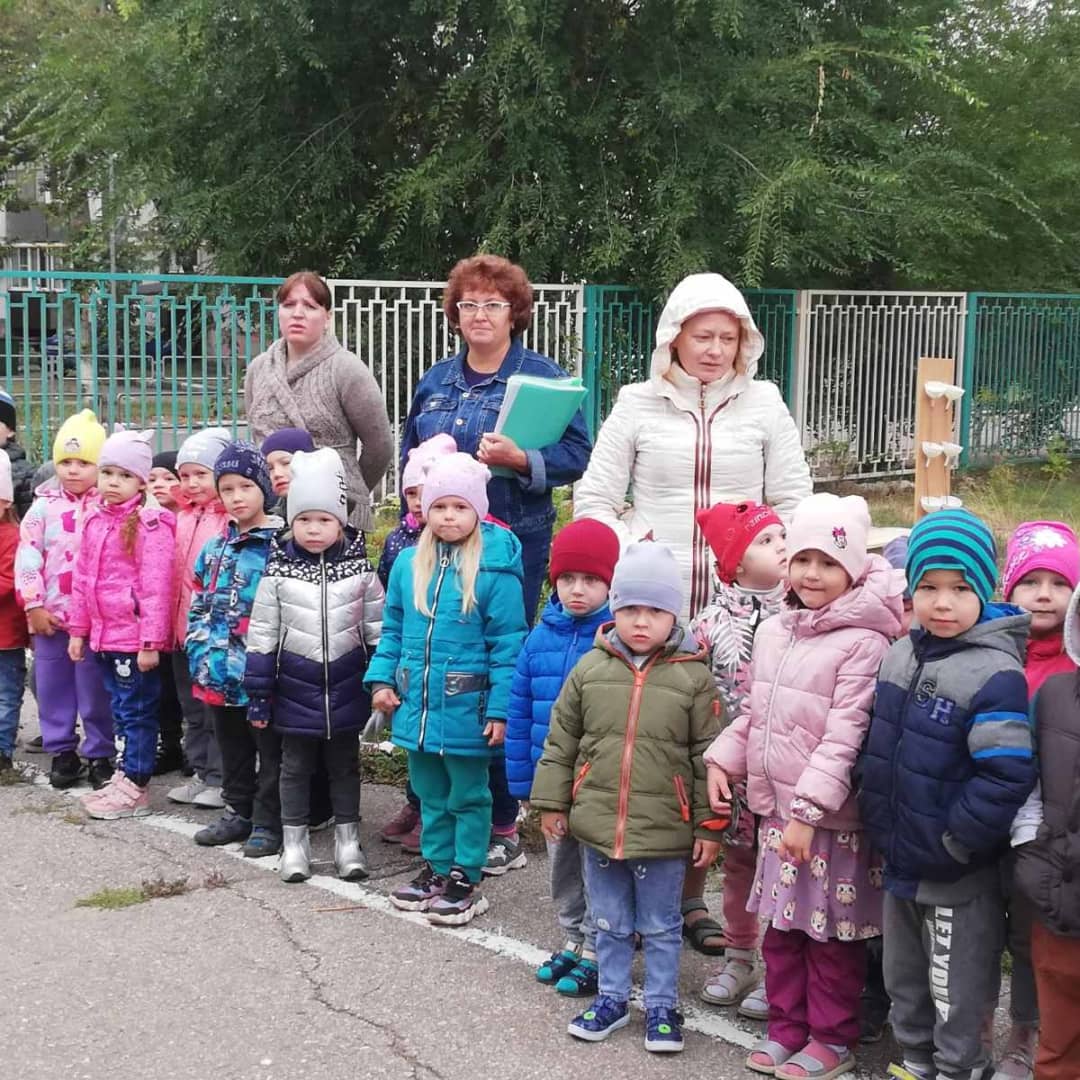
[{"x": 119, "y": 798}]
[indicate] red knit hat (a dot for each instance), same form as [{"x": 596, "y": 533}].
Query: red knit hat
[
  {"x": 730, "y": 529},
  {"x": 585, "y": 547}
]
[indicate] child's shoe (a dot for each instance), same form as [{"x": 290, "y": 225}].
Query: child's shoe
[
  {"x": 230, "y": 828},
  {"x": 210, "y": 798},
  {"x": 421, "y": 892},
  {"x": 461, "y": 901},
  {"x": 731, "y": 980},
  {"x": 295, "y": 854},
  {"x": 66, "y": 769},
  {"x": 402, "y": 823},
  {"x": 119, "y": 798},
  {"x": 1018, "y": 1061},
  {"x": 557, "y": 965},
  {"x": 582, "y": 981},
  {"x": 755, "y": 1006},
  {"x": 262, "y": 842},
  {"x": 663, "y": 1030},
  {"x": 410, "y": 841},
  {"x": 911, "y": 1070},
  {"x": 101, "y": 772},
  {"x": 349, "y": 859},
  {"x": 767, "y": 1056},
  {"x": 817, "y": 1061},
  {"x": 504, "y": 854},
  {"x": 600, "y": 1019},
  {"x": 187, "y": 793}
]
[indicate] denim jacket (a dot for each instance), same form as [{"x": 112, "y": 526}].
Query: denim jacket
[{"x": 445, "y": 403}]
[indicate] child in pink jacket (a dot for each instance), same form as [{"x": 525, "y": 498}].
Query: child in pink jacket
[
  {"x": 123, "y": 584},
  {"x": 817, "y": 887}
]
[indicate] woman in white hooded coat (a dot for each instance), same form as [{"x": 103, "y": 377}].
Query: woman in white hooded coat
[{"x": 701, "y": 431}]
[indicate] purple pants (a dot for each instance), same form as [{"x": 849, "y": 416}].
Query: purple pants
[
  {"x": 813, "y": 988},
  {"x": 66, "y": 690}
]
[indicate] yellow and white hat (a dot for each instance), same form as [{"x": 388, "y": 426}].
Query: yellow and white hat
[{"x": 80, "y": 436}]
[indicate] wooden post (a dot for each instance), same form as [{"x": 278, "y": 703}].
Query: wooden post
[{"x": 934, "y": 423}]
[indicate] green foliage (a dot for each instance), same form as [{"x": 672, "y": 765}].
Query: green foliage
[{"x": 871, "y": 143}]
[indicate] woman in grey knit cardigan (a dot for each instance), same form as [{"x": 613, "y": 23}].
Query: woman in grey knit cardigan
[{"x": 306, "y": 379}]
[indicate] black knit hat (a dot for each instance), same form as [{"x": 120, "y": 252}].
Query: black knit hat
[
  {"x": 7, "y": 410},
  {"x": 166, "y": 460}
]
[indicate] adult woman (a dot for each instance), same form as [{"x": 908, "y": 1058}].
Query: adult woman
[
  {"x": 488, "y": 300},
  {"x": 701, "y": 431},
  {"x": 306, "y": 379}
]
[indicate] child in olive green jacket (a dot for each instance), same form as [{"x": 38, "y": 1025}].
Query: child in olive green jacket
[{"x": 622, "y": 772}]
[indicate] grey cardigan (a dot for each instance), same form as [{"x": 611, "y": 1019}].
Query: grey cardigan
[{"x": 332, "y": 395}]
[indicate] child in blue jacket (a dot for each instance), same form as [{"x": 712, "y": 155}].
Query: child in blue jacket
[
  {"x": 453, "y": 625},
  {"x": 583, "y": 559}
]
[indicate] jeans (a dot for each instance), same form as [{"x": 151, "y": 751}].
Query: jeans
[
  {"x": 535, "y": 547},
  {"x": 12, "y": 686},
  {"x": 135, "y": 697},
  {"x": 66, "y": 690},
  {"x": 252, "y": 792},
  {"x": 200, "y": 746},
  {"x": 642, "y": 895},
  {"x": 301, "y": 756}
]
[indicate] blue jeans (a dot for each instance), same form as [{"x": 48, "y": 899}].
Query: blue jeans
[
  {"x": 643, "y": 895},
  {"x": 12, "y": 684},
  {"x": 535, "y": 548},
  {"x": 136, "y": 696}
]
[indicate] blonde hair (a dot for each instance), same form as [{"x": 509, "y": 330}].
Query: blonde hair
[{"x": 465, "y": 560}]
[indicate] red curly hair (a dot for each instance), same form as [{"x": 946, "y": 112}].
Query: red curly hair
[{"x": 497, "y": 274}]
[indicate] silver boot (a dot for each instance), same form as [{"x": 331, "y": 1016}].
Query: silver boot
[
  {"x": 349, "y": 859},
  {"x": 295, "y": 853}
]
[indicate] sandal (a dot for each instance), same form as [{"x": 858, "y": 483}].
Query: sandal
[
  {"x": 755, "y": 1006},
  {"x": 770, "y": 1056},
  {"x": 815, "y": 1061},
  {"x": 701, "y": 930},
  {"x": 730, "y": 981}
]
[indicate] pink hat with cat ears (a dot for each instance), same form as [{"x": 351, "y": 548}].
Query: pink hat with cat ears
[{"x": 131, "y": 451}]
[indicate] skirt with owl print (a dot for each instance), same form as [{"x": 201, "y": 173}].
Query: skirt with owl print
[{"x": 837, "y": 894}]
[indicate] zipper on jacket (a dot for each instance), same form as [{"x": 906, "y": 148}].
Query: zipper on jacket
[
  {"x": 684, "y": 802},
  {"x": 769, "y": 707},
  {"x": 640, "y": 674},
  {"x": 699, "y": 558},
  {"x": 325, "y": 642},
  {"x": 444, "y": 562},
  {"x": 580, "y": 779}
]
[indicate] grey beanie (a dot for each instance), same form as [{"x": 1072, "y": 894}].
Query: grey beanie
[
  {"x": 647, "y": 575},
  {"x": 318, "y": 483},
  {"x": 203, "y": 448}
]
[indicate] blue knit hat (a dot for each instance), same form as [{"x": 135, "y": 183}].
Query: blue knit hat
[
  {"x": 289, "y": 439},
  {"x": 646, "y": 575},
  {"x": 954, "y": 540},
  {"x": 244, "y": 459}
]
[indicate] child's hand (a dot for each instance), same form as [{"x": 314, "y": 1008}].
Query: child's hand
[
  {"x": 796, "y": 841},
  {"x": 553, "y": 825},
  {"x": 41, "y": 622},
  {"x": 705, "y": 853},
  {"x": 147, "y": 660},
  {"x": 495, "y": 732},
  {"x": 76, "y": 649},
  {"x": 385, "y": 700},
  {"x": 719, "y": 789}
]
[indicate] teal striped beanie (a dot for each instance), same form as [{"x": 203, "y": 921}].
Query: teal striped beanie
[{"x": 954, "y": 540}]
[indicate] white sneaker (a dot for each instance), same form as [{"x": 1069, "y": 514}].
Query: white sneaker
[
  {"x": 209, "y": 799},
  {"x": 187, "y": 793}
]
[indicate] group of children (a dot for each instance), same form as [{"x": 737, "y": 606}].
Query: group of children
[{"x": 870, "y": 780}]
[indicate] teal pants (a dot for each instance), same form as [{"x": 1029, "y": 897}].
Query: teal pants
[{"x": 455, "y": 808}]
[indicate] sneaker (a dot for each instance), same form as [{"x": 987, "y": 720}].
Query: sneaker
[
  {"x": 910, "y": 1071},
  {"x": 35, "y": 746},
  {"x": 168, "y": 759},
  {"x": 66, "y": 770},
  {"x": 262, "y": 842},
  {"x": 209, "y": 798},
  {"x": 663, "y": 1030},
  {"x": 556, "y": 966},
  {"x": 755, "y": 1006},
  {"x": 186, "y": 793},
  {"x": 402, "y": 823},
  {"x": 101, "y": 772},
  {"x": 600, "y": 1019},
  {"x": 410, "y": 841},
  {"x": 119, "y": 798},
  {"x": 582, "y": 981},
  {"x": 1018, "y": 1060},
  {"x": 460, "y": 902},
  {"x": 230, "y": 828},
  {"x": 421, "y": 892},
  {"x": 504, "y": 854}
]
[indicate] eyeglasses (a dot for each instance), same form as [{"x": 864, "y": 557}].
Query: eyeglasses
[{"x": 488, "y": 307}]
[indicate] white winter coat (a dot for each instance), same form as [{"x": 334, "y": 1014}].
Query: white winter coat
[{"x": 678, "y": 445}]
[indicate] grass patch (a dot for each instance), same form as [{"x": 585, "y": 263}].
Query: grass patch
[
  {"x": 378, "y": 767},
  {"x": 11, "y": 777},
  {"x": 110, "y": 899}
]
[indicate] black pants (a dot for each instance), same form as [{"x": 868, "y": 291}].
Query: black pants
[
  {"x": 171, "y": 722},
  {"x": 250, "y": 766},
  {"x": 301, "y": 756}
]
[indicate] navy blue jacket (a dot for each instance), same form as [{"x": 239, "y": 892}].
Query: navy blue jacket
[
  {"x": 444, "y": 403},
  {"x": 404, "y": 536},
  {"x": 551, "y": 650},
  {"x": 948, "y": 760}
]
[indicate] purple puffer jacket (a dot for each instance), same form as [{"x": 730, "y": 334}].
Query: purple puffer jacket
[
  {"x": 122, "y": 604},
  {"x": 812, "y": 681}
]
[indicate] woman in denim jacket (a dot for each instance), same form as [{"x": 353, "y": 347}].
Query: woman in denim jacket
[{"x": 462, "y": 395}]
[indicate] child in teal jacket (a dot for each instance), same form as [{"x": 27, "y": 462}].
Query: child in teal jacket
[{"x": 453, "y": 625}]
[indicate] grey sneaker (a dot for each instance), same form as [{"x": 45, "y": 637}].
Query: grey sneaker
[
  {"x": 186, "y": 793},
  {"x": 460, "y": 902},
  {"x": 209, "y": 799},
  {"x": 421, "y": 892},
  {"x": 505, "y": 853}
]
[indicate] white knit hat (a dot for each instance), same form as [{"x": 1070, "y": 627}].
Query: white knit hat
[
  {"x": 318, "y": 483},
  {"x": 837, "y": 526}
]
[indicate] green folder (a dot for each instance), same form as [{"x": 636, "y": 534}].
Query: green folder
[{"x": 536, "y": 411}]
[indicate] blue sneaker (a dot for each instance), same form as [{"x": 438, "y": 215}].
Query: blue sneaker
[
  {"x": 556, "y": 966},
  {"x": 261, "y": 843},
  {"x": 663, "y": 1030},
  {"x": 583, "y": 980},
  {"x": 597, "y": 1022}
]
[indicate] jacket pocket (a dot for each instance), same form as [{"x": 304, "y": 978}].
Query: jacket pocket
[
  {"x": 401, "y": 677},
  {"x": 680, "y": 794},
  {"x": 580, "y": 779}
]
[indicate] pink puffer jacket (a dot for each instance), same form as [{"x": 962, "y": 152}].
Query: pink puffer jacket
[
  {"x": 812, "y": 680},
  {"x": 122, "y": 603},
  {"x": 195, "y": 525}
]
